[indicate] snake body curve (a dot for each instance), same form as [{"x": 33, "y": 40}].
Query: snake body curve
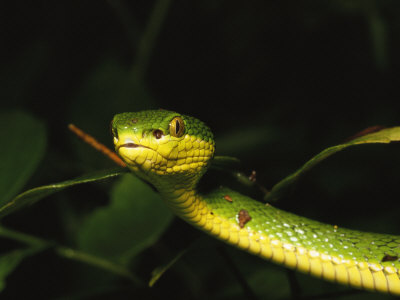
[{"x": 172, "y": 151}]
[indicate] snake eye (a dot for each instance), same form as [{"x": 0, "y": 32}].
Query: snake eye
[
  {"x": 177, "y": 127},
  {"x": 158, "y": 134}
]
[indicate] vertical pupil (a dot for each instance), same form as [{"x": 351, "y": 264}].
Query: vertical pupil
[{"x": 177, "y": 127}]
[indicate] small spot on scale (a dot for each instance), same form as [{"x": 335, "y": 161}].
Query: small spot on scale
[
  {"x": 228, "y": 198},
  {"x": 243, "y": 217},
  {"x": 388, "y": 257}
]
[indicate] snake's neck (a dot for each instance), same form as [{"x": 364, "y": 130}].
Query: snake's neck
[
  {"x": 184, "y": 203},
  {"x": 181, "y": 196}
]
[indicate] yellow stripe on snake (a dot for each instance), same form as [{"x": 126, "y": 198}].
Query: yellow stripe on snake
[{"x": 172, "y": 151}]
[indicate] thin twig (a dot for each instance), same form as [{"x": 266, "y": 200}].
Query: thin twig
[{"x": 97, "y": 145}]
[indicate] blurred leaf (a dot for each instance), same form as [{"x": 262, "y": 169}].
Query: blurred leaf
[
  {"x": 265, "y": 280},
  {"x": 24, "y": 141},
  {"x": 244, "y": 140},
  {"x": 378, "y": 31},
  {"x": 383, "y": 136},
  {"x": 35, "y": 194},
  {"x": 10, "y": 260},
  {"x": 98, "y": 262},
  {"x": 108, "y": 90},
  {"x": 19, "y": 76},
  {"x": 149, "y": 38},
  {"x": 134, "y": 220},
  {"x": 36, "y": 244},
  {"x": 224, "y": 162},
  {"x": 119, "y": 88}
]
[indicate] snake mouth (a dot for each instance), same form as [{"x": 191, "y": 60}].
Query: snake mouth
[{"x": 130, "y": 145}]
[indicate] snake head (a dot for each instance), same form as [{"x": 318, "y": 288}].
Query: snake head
[{"x": 156, "y": 143}]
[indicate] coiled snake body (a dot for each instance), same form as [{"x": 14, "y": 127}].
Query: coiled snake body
[{"x": 172, "y": 151}]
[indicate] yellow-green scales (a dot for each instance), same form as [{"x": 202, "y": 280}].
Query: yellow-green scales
[{"x": 172, "y": 151}]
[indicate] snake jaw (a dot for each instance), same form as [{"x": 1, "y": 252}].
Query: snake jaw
[
  {"x": 126, "y": 143},
  {"x": 136, "y": 152},
  {"x": 129, "y": 145}
]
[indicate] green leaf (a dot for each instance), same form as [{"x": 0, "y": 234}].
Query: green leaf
[
  {"x": 134, "y": 220},
  {"x": 37, "y": 244},
  {"x": 10, "y": 260},
  {"x": 383, "y": 136},
  {"x": 33, "y": 195},
  {"x": 23, "y": 144},
  {"x": 98, "y": 262}
]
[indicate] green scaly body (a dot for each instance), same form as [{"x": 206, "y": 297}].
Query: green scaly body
[{"x": 174, "y": 160}]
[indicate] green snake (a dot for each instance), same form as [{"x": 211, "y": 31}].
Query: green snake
[{"x": 172, "y": 151}]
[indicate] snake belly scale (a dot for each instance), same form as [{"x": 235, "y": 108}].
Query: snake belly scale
[{"x": 172, "y": 151}]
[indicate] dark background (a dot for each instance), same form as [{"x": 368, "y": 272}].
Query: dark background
[{"x": 277, "y": 81}]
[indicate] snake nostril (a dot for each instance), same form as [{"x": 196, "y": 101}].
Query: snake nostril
[{"x": 158, "y": 133}]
